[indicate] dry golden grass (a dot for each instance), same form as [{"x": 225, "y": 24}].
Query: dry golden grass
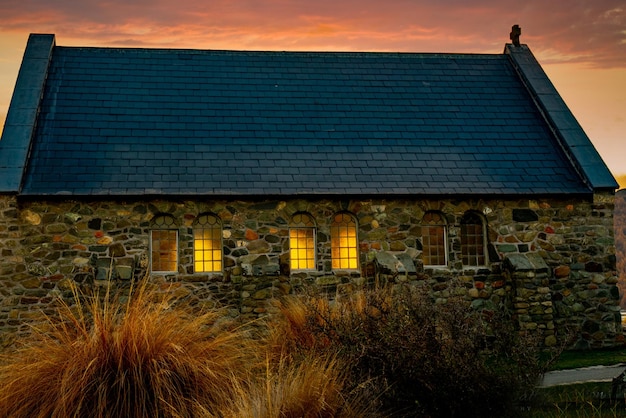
[
  {"x": 143, "y": 358},
  {"x": 305, "y": 375},
  {"x": 152, "y": 356},
  {"x": 310, "y": 323},
  {"x": 312, "y": 386}
]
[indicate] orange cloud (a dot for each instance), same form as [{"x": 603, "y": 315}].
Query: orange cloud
[{"x": 590, "y": 32}]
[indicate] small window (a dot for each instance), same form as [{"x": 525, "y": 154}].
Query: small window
[
  {"x": 434, "y": 241},
  {"x": 207, "y": 244},
  {"x": 343, "y": 242},
  {"x": 164, "y": 244},
  {"x": 302, "y": 242},
  {"x": 473, "y": 251}
]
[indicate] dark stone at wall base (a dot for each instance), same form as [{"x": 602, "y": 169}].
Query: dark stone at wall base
[
  {"x": 95, "y": 223},
  {"x": 593, "y": 267},
  {"x": 525, "y": 215}
]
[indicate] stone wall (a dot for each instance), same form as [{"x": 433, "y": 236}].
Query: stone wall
[{"x": 551, "y": 261}]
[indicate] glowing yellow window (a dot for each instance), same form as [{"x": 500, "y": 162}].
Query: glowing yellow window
[
  {"x": 163, "y": 245},
  {"x": 434, "y": 240},
  {"x": 343, "y": 242},
  {"x": 302, "y": 242},
  {"x": 207, "y": 244}
]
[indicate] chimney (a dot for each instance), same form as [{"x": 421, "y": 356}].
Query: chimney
[{"x": 516, "y": 31}]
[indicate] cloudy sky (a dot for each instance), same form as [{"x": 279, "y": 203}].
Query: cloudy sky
[{"x": 580, "y": 43}]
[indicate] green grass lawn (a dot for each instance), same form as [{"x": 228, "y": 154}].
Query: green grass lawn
[{"x": 576, "y": 359}]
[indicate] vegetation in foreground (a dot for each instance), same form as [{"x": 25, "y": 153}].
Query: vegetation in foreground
[
  {"x": 424, "y": 359},
  {"x": 385, "y": 352},
  {"x": 584, "y": 400},
  {"x": 152, "y": 356}
]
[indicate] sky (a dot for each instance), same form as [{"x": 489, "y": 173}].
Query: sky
[{"x": 581, "y": 44}]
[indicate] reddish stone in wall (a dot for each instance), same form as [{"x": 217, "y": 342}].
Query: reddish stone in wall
[
  {"x": 561, "y": 272},
  {"x": 251, "y": 235}
]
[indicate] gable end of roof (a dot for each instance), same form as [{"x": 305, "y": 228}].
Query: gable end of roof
[
  {"x": 570, "y": 134},
  {"x": 22, "y": 115}
]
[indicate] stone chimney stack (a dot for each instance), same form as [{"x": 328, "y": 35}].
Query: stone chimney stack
[{"x": 516, "y": 31}]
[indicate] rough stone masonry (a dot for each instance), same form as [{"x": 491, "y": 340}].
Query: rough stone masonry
[{"x": 551, "y": 261}]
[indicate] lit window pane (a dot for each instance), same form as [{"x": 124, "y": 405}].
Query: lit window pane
[
  {"x": 207, "y": 244},
  {"x": 343, "y": 241},
  {"x": 302, "y": 242},
  {"x": 302, "y": 248}
]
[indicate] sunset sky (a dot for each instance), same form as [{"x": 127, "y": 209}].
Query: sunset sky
[{"x": 580, "y": 43}]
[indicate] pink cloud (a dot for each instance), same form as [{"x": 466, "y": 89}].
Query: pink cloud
[{"x": 591, "y": 32}]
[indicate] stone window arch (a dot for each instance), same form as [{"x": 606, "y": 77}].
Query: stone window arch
[
  {"x": 344, "y": 242},
  {"x": 163, "y": 244},
  {"x": 473, "y": 239},
  {"x": 434, "y": 239},
  {"x": 302, "y": 245},
  {"x": 207, "y": 244}
]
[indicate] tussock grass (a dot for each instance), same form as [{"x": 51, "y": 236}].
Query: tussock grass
[
  {"x": 306, "y": 375},
  {"x": 313, "y": 386},
  {"x": 151, "y": 356},
  {"x": 142, "y": 358}
]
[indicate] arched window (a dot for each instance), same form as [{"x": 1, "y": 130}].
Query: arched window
[
  {"x": 302, "y": 242},
  {"x": 473, "y": 245},
  {"x": 434, "y": 240},
  {"x": 207, "y": 244},
  {"x": 163, "y": 244},
  {"x": 344, "y": 242}
]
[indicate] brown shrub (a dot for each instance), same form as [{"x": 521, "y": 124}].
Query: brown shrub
[{"x": 420, "y": 358}]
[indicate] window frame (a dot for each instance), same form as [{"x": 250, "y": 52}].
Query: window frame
[
  {"x": 160, "y": 224},
  {"x": 299, "y": 224},
  {"x": 426, "y": 238},
  {"x": 215, "y": 227},
  {"x": 479, "y": 221},
  {"x": 336, "y": 225}
]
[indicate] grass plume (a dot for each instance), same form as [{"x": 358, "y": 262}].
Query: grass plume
[{"x": 142, "y": 358}]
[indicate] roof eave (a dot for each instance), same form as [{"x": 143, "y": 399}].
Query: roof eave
[{"x": 311, "y": 195}]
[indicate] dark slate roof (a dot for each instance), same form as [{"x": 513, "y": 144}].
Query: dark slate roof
[{"x": 122, "y": 121}]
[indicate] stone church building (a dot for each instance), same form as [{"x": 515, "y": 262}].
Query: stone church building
[{"x": 241, "y": 176}]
